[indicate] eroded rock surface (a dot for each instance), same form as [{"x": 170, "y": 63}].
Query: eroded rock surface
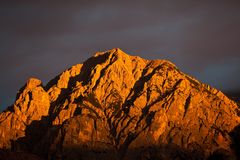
[
  {"x": 116, "y": 106},
  {"x": 32, "y": 103}
]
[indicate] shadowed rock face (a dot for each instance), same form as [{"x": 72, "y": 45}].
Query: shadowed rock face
[
  {"x": 5, "y": 155},
  {"x": 116, "y": 106}
]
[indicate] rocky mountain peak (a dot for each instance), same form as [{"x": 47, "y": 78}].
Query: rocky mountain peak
[
  {"x": 117, "y": 106},
  {"x": 33, "y": 83}
]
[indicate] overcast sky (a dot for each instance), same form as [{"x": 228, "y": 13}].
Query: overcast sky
[{"x": 41, "y": 39}]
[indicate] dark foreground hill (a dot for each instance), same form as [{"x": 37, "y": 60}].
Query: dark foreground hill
[{"x": 117, "y": 106}]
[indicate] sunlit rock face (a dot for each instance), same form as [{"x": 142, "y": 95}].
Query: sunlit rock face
[
  {"x": 117, "y": 106},
  {"x": 32, "y": 103}
]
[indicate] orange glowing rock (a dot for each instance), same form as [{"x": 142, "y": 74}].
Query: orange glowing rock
[{"x": 117, "y": 106}]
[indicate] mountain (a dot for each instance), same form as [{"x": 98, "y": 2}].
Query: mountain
[
  {"x": 117, "y": 106},
  {"x": 234, "y": 96}
]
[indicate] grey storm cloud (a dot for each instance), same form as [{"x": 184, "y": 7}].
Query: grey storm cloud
[{"x": 42, "y": 38}]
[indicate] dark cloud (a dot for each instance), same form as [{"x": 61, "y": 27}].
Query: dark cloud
[{"x": 43, "y": 38}]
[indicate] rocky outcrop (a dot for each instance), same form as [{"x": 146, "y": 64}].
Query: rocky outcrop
[
  {"x": 116, "y": 106},
  {"x": 32, "y": 103}
]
